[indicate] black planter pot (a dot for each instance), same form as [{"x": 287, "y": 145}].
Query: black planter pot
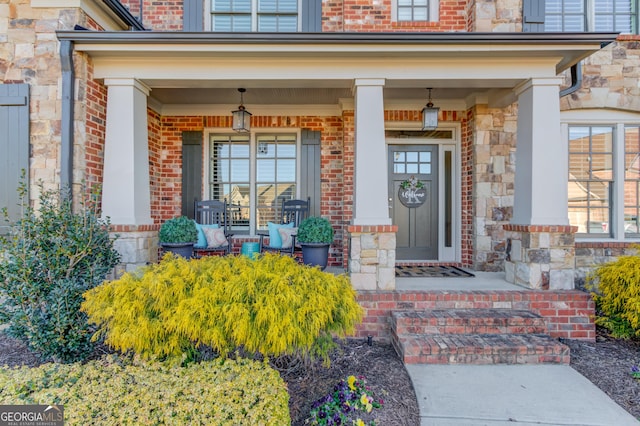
[
  {"x": 181, "y": 249},
  {"x": 315, "y": 254}
]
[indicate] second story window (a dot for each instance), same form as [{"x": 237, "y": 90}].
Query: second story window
[
  {"x": 254, "y": 15},
  {"x": 413, "y": 10},
  {"x": 591, "y": 15}
]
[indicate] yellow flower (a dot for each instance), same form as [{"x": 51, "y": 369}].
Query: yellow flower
[
  {"x": 351, "y": 380},
  {"x": 369, "y": 408},
  {"x": 363, "y": 399},
  {"x": 359, "y": 422}
]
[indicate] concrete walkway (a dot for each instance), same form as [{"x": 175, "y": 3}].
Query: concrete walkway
[{"x": 475, "y": 395}]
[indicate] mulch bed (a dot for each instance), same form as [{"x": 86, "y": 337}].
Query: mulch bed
[{"x": 607, "y": 363}]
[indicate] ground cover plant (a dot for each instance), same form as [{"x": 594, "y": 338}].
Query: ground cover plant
[
  {"x": 52, "y": 256},
  {"x": 119, "y": 390}
]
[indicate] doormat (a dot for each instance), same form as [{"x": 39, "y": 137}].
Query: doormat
[{"x": 436, "y": 271}]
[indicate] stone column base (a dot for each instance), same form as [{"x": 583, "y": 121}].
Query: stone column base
[
  {"x": 372, "y": 256},
  {"x": 137, "y": 245},
  {"x": 541, "y": 256}
]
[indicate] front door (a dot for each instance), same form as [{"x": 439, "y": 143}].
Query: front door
[{"x": 413, "y": 200}]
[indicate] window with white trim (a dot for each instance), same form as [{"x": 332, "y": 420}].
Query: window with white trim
[
  {"x": 253, "y": 173},
  {"x": 254, "y": 15},
  {"x": 415, "y": 10},
  {"x": 591, "y": 15},
  {"x": 604, "y": 180}
]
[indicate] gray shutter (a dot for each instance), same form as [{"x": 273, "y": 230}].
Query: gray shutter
[
  {"x": 191, "y": 171},
  {"x": 192, "y": 19},
  {"x": 533, "y": 16},
  {"x": 310, "y": 167},
  {"x": 311, "y": 16},
  {"x": 14, "y": 146}
]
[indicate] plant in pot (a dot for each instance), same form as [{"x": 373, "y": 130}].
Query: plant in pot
[
  {"x": 178, "y": 235},
  {"x": 315, "y": 235}
]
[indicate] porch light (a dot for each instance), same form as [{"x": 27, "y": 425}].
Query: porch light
[
  {"x": 430, "y": 115},
  {"x": 241, "y": 117}
]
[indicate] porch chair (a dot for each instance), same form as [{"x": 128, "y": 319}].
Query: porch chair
[
  {"x": 292, "y": 213},
  {"x": 212, "y": 221}
]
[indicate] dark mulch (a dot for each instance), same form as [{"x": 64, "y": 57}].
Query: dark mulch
[
  {"x": 378, "y": 363},
  {"x": 607, "y": 363}
]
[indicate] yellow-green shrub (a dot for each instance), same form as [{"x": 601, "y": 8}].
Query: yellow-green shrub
[
  {"x": 270, "y": 305},
  {"x": 111, "y": 391},
  {"x": 617, "y": 295}
]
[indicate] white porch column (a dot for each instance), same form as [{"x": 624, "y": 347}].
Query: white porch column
[
  {"x": 370, "y": 193},
  {"x": 126, "y": 197},
  {"x": 541, "y": 196}
]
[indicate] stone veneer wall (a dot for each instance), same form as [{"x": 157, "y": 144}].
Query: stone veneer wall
[
  {"x": 568, "y": 314},
  {"x": 372, "y": 259},
  {"x": 589, "y": 255},
  {"x": 137, "y": 245},
  {"x": 541, "y": 257},
  {"x": 493, "y": 171},
  {"x": 29, "y": 53}
]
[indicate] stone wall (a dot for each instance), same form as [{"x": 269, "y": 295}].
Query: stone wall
[{"x": 493, "y": 171}]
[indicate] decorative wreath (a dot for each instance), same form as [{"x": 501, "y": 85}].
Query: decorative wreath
[{"x": 412, "y": 183}]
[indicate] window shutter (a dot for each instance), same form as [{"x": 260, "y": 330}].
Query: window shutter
[
  {"x": 14, "y": 146},
  {"x": 533, "y": 15},
  {"x": 192, "y": 19},
  {"x": 312, "y": 16},
  {"x": 310, "y": 166},
  {"x": 191, "y": 171}
]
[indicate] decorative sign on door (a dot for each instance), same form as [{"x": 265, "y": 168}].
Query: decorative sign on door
[{"x": 412, "y": 193}]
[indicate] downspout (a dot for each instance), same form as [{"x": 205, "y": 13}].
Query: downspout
[
  {"x": 66, "y": 128},
  {"x": 576, "y": 80}
]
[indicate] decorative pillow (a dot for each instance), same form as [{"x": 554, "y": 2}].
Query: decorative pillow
[
  {"x": 202, "y": 240},
  {"x": 275, "y": 240},
  {"x": 286, "y": 234},
  {"x": 215, "y": 237}
]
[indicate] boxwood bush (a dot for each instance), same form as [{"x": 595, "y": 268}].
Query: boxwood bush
[
  {"x": 113, "y": 391},
  {"x": 271, "y": 306}
]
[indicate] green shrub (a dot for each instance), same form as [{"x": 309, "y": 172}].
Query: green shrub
[
  {"x": 315, "y": 229},
  {"x": 270, "y": 305},
  {"x": 178, "y": 230},
  {"x": 51, "y": 257},
  {"x": 616, "y": 288},
  {"x": 116, "y": 392}
]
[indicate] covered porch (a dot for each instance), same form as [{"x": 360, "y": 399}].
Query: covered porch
[{"x": 359, "y": 95}]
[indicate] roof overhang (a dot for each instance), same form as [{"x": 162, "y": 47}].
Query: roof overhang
[{"x": 469, "y": 61}]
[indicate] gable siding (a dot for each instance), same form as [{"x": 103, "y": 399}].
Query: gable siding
[{"x": 14, "y": 146}]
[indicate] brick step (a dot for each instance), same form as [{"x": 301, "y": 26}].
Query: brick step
[
  {"x": 467, "y": 321},
  {"x": 480, "y": 349}
]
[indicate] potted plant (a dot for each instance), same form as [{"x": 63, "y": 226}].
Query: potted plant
[
  {"x": 315, "y": 235},
  {"x": 178, "y": 235}
]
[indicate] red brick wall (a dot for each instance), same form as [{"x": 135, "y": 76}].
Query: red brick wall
[
  {"x": 95, "y": 126},
  {"x": 338, "y": 16},
  {"x": 155, "y": 147},
  {"x": 466, "y": 204},
  {"x": 567, "y": 314},
  {"x": 368, "y": 16}
]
